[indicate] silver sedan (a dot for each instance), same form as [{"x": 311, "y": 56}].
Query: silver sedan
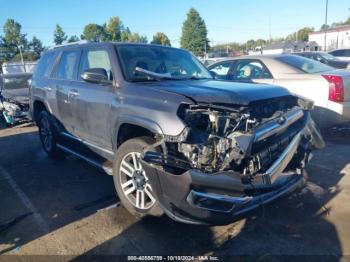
[{"x": 328, "y": 87}]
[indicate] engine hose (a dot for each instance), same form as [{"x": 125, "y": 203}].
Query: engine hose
[{"x": 213, "y": 163}]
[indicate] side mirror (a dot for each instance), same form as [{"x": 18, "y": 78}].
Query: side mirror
[
  {"x": 96, "y": 76},
  {"x": 213, "y": 74}
]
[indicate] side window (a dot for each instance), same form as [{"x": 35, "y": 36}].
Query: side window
[
  {"x": 67, "y": 64},
  {"x": 315, "y": 57},
  {"x": 247, "y": 70},
  {"x": 45, "y": 65},
  {"x": 221, "y": 70},
  {"x": 338, "y": 53},
  {"x": 95, "y": 59},
  {"x": 320, "y": 59}
]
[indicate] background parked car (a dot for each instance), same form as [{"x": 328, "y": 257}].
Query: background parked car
[
  {"x": 343, "y": 54},
  {"x": 208, "y": 61},
  {"x": 326, "y": 58},
  {"x": 329, "y": 88}
]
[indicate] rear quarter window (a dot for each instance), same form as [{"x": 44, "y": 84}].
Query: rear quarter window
[{"x": 45, "y": 65}]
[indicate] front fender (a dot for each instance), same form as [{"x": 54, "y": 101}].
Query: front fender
[{"x": 146, "y": 123}]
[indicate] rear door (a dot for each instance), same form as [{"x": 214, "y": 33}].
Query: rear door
[
  {"x": 92, "y": 104},
  {"x": 251, "y": 70},
  {"x": 63, "y": 79}
]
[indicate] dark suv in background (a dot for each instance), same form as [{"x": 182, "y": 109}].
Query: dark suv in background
[
  {"x": 326, "y": 58},
  {"x": 175, "y": 140}
]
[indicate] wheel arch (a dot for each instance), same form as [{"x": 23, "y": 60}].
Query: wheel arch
[
  {"x": 38, "y": 107},
  {"x": 129, "y": 127}
]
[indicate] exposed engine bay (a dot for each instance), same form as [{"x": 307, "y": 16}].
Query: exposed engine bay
[
  {"x": 231, "y": 159},
  {"x": 246, "y": 140}
]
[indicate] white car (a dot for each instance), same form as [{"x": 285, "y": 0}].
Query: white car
[{"x": 327, "y": 87}]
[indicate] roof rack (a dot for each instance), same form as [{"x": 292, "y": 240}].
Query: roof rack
[{"x": 70, "y": 44}]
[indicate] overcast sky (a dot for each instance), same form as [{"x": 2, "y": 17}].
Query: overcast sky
[{"x": 227, "y": 20}]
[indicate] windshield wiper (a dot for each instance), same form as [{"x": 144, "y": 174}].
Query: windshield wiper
[
  {"x": 195, "y": 78},
  {"x": 154, "y": 74},
  {"x": 159, "y": 76}
]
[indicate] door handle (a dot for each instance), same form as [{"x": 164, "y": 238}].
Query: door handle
[{"x": 73, "y": 93}]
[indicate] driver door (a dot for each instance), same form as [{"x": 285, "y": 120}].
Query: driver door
[
  {"x": 251, "y": 70},
  {"x": 92, "y": 104}
]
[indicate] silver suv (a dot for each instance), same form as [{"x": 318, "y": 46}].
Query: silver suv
[{"x": 175, "y": 140}]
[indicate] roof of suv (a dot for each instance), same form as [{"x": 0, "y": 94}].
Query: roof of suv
[{"x": 84, "y": 43}]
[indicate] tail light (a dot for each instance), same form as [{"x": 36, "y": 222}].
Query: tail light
[{"x": 336, "y": 88}]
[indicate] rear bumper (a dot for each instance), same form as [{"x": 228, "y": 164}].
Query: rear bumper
[{"x": 342, "y": 111}]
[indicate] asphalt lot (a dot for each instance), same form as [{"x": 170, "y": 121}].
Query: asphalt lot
[{"x": 66, "y": 207}]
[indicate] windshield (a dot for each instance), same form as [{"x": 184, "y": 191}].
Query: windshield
[
  {"x": 304, "y": 64},
  {"x": 164, "y": 62}
]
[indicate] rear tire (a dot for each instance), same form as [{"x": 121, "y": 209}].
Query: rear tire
[
  {"x": 48, "y": 135},
  {"x": 131, "y": 181}
]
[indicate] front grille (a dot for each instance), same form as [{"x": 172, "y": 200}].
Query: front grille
[
  {"x": 266, "y": 109},
  {"x": 266, "y": 152}
]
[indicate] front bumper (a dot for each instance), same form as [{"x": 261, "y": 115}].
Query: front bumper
[
  {"x": 223, "y": 197},
  {"x": 193, "y": 198}
]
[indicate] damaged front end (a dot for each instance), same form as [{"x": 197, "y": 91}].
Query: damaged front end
[
  {"x": 13, "y": 111},
  {"x": 13, "y": 108},
  {"x": 231, "y": 159}
]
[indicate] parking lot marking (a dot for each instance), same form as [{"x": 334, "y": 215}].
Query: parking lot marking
[{"x": 25, "y": 200}]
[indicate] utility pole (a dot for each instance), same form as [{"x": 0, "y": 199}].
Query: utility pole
[
  {"x": 20, "y": 51},
  {"x": 270, "y": 28},
  {"x": 325, "y": 32}
]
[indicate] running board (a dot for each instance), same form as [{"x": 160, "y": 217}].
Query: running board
[{"x": 106, "y": 166}]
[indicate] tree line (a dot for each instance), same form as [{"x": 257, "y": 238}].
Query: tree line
[
  {"x": 299, "y": 35},
  {"x": 194, "y": 37},
  {"x": 13, "y": 41}
]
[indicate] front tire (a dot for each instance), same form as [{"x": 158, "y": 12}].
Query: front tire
[
  {"x": 47, "y": 134},
  {"x": 131, "y": 181}
]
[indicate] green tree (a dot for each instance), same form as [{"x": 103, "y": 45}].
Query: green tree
[
  {"x": 2, "y": 52},
  {"x": 324, "y": 27},
  {"x": 303, "y": 33},
  {"x": 27, "y": 56},
  {"x": 250, "y": 44},
  {"x": 194, "y": 34},
  {"x": 73, "y": 38},
  {"x": 36, "y": 47},
  {"x": 137, "y": 38},
  {"x": 161, "y": 39},
  {"x": 59, "y": 36},
  {"x": 260, "y": 42},
  {"x": 94, "y": 32},
  {"x": 347, "y": 22},
  {"x": 125, "y": 35},
  {"x": 114, "y": 28},
  {"x": 13, "y": 39}
]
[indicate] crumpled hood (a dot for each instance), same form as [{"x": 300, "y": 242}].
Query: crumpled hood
[{"x": 213, "y": 91}]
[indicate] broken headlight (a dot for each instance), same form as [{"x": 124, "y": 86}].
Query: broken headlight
[
  {"x": 214, "y": 137},
  {"x": 179, "y": 138}
]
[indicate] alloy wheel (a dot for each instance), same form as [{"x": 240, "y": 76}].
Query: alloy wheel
[
  {"x": 46, "y": 133},
  {"x": 135, "y": 183}
]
